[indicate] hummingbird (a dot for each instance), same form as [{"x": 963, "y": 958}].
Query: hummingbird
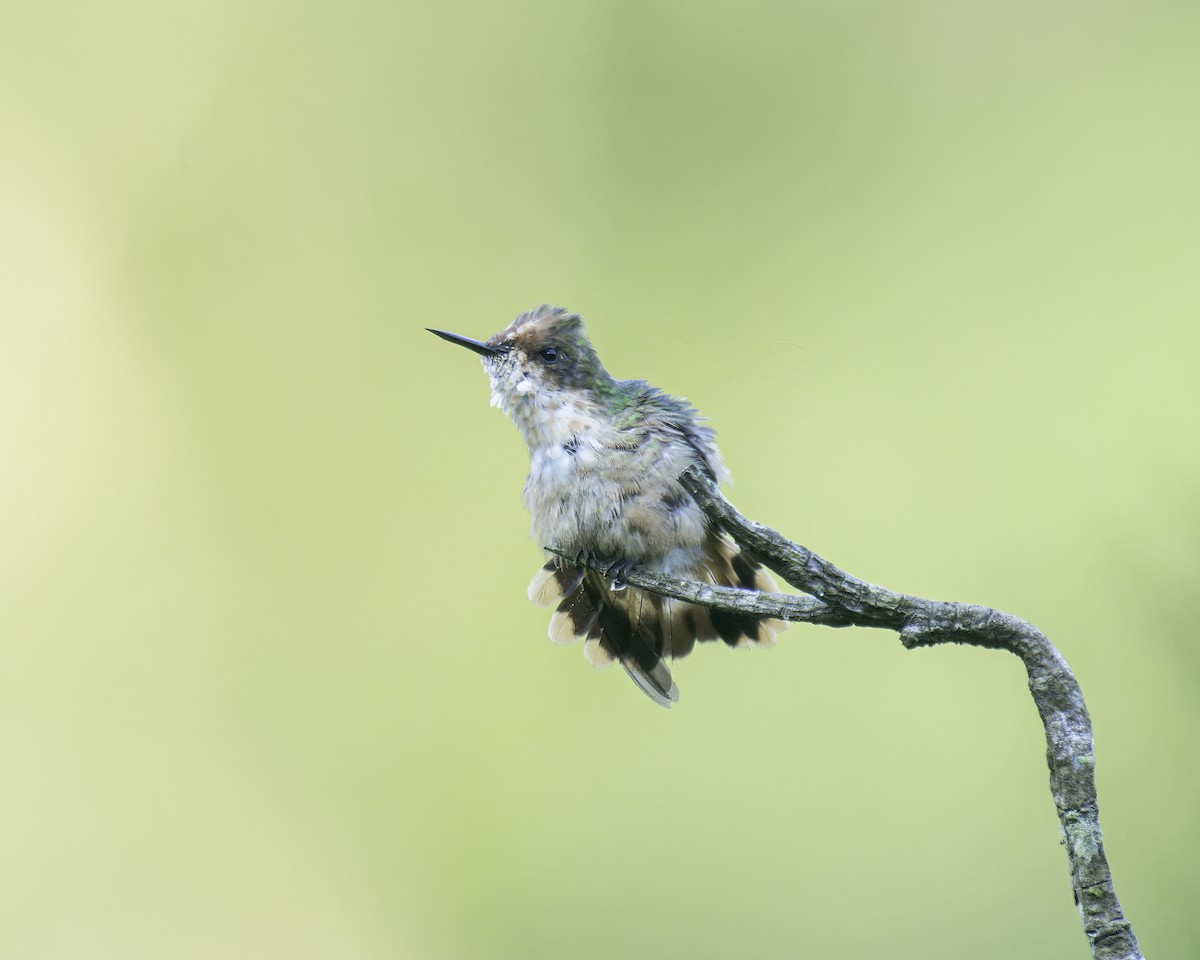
[{"x": 603, "y": 486}]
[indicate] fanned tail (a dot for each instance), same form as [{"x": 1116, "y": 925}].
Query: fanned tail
[
  {"x": 642, "y": 630},
  {"x": 616, "y": 625}
]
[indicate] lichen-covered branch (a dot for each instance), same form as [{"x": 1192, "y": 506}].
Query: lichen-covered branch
[{"x": 838, "y": 599}]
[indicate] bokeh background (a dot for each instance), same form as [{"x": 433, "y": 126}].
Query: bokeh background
[{"x": 271, "y": 686}]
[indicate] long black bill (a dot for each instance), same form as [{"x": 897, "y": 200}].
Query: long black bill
[{"x": 476, "y": 345}]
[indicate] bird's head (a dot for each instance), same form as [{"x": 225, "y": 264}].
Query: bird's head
[{"x": 540, "y": 362}]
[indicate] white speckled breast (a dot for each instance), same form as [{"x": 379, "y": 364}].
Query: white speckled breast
[{"x": 588, "y": 487}]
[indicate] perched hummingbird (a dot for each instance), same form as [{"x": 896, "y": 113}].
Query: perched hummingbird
[{"x": 605, "y": 460}]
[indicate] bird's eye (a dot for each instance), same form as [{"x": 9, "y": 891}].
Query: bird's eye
[{"x": 549, "y": 355}]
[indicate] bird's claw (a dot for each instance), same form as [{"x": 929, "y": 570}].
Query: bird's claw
[
  {"x": 619, "y": 573},
  {"x": 616, "y": 570}
]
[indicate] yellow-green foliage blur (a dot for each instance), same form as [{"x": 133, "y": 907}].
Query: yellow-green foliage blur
[{"x": 270, "y": 683}]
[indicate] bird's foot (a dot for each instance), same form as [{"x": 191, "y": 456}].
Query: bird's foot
[
  {"x": 615, "y": 569},
  {"x": 620, "y": 571}
]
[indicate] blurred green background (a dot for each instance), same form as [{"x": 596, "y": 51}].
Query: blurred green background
[{"x": 271, "y": 686}]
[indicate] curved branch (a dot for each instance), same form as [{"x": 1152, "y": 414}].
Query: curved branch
[
  {"x": 838, "y": 599},
  {"x": 783, "y": 606}
]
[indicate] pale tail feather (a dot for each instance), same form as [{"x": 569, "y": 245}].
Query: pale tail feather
[
  {"x": 573, "y": 618},
  {"x": 556, "y": 579}
]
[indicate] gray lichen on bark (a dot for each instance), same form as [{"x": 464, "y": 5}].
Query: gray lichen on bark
[{"x": 837, "y": 599}]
